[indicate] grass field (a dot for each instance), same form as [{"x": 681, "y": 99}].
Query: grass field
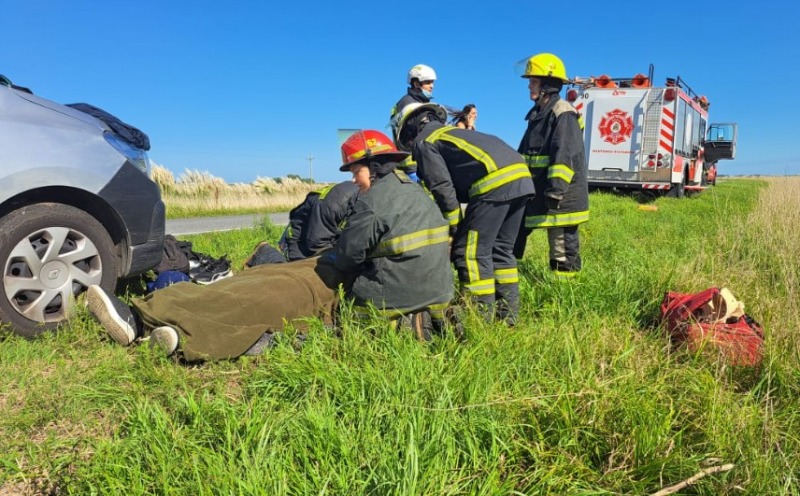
[{"x": 583, "y": 397}]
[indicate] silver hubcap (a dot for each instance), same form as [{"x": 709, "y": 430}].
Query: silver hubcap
[{"x": 47, "y": 269}]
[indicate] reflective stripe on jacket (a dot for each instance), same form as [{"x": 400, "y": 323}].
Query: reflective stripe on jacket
[
  {"x": 554, "y": 151},
  {"x": 396, "y": 242},
  {"x": 458, "y": 165}
]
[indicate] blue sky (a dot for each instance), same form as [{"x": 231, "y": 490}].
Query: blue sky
[{"x": 248, "y": 89}]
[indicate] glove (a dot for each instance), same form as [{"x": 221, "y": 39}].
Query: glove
[{"x": 551, "y": 203}]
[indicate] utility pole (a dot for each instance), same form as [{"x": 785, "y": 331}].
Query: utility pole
[{"x": 310, "y": 159}]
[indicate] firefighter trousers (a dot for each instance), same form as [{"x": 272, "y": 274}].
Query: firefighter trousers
[
  {"x": 224, "y": 319},
  {"x": 483, "y": 254},
  {"x": 565, "y": 258}
]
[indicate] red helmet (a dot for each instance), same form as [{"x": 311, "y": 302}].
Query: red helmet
[{"x": 363, "y": 145}]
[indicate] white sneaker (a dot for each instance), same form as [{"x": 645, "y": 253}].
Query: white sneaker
[
  {"x": 165, "y": 338},
  {"x": 113, "y": 314}
]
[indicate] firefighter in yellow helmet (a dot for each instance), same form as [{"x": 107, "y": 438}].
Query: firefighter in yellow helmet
[{"x": 553, "y": 148}]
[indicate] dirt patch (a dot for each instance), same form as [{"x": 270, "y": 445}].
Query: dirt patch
[{"x": 30, "y": 488}]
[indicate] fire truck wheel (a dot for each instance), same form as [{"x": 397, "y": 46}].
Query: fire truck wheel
[{"x": 679, "y": 190}]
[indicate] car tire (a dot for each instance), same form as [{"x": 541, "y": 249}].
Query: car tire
[{"x": 50, "y": 253}]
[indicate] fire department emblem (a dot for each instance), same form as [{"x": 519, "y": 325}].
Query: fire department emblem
[{"x": 615, "y": 127}]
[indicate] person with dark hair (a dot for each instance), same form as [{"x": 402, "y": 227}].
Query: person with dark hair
[
  {"x": 391, "y": 257},
  {"x": 553, "y": 148},
  {"x": 466, "y": 118},
  {"x": 313, "y": 228},
  {"x": 481, "y": 170}
]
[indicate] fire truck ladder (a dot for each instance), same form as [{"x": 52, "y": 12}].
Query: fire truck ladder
[{"x": 651, "y": 135}]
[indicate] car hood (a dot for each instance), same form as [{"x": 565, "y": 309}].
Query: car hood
[{"x": 62, "y": 109}]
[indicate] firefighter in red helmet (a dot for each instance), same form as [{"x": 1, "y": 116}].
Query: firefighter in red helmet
[
  {"x": 392, "y": 256},
  {"x": 553, "y": 148},
  {"x": 395, "y": 239}
]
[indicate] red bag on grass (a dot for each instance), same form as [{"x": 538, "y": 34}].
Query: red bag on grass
[{"x": 713, "y": 317}]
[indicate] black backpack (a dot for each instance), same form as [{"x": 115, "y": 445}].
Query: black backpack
[{"x": 174, "y": 256}]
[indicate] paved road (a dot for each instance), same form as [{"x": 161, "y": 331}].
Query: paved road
[{"x": 197, "y": 225}]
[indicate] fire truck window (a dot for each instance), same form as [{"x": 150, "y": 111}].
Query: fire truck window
[
  {"x": 680, "y": 129},
  {"x": 720, "y": 133},
  {"x": 703, "y": 125},
  {"x": 696, "y": 130}
]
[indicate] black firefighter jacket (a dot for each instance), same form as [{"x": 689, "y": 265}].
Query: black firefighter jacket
[
  {"x": 460, "y": 165},
  {"x": 396, "y": 242},
  {"x": 315, "y": 224},
  {"x": 553, "y": 148},
  {"x": 412, "y": 95}
]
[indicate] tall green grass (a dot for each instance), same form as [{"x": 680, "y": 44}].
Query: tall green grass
[{"x": 584, "y": 396}]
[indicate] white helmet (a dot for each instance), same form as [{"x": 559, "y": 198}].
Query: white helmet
[
  {"x": 401, "y": 119},
  {"x": 421, "y": 72}
]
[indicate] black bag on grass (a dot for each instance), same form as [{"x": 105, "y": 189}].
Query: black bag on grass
[{"x": 174, "y": 256}]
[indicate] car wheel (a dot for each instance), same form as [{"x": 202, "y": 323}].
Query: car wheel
[{"x": 50, "y": 253}]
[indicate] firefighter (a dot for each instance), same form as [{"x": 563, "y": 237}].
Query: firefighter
[
  {"x": 421, "y": 79},
  {"x": 313, "y": 226},
  {"x": 553, "y": 148},
  {"x": 392, "y": 255},
  {"x": 395, "y": 238},
  {"x": 463, "y": 166}
]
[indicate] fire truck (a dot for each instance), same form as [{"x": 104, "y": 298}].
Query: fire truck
[{"x": 640, "y": 136}]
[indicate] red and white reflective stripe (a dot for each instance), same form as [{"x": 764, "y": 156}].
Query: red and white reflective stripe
[
  {"x": 667, "y": 130},
  {"x": 578, "y": 106},
  {"x": 656, "y": 186}
]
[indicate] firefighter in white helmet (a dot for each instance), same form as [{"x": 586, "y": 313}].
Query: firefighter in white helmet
[
  {"x": 553, "y": 148},
  {"x": 421, "y": 79}
]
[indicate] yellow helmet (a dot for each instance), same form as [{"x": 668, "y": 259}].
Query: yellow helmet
[{"x": 545, "y": 65}]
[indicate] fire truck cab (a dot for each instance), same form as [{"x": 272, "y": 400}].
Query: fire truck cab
[{"x": 639, "y": 136}]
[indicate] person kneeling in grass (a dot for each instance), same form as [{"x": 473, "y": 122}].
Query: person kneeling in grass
[{"x": 392, "y": 256}]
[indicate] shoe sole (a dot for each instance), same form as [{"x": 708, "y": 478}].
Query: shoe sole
[
  {"x": 98, "y": 304},
  {"x": 214, "y": 278},
  {"x": 164, "y": 338},
  {"x": 255, "y": 252}
]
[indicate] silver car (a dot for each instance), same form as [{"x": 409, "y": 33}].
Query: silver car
[{"x": 77, "y": 207}]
